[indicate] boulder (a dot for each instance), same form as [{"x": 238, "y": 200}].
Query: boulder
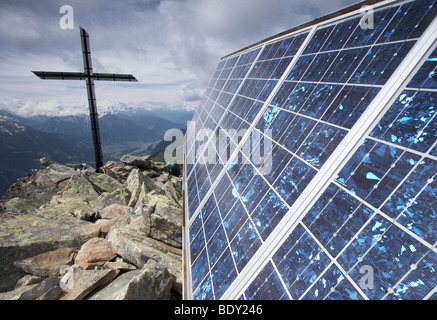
[
  {"x": 171, "y": 192},
  {"x": 163, "y": 218},
  {"x": 102, "y": 182},
  {"x": 85, "y": 281},
  {"x": 143, "y": 163},
  {"x": 138, "y": 180},
  {"x": 119, "y": 265},
  {"x": 40, "y": 289},
  {"x": 106, "y": 225},
  {"x": 38, "y": 186},
  {"x": 16, "y": 293},
  {"x": 51, "y": 294},
  {"x": 94, "y": 253},
  {"x": 120, "y": 196},
  {"x": 25, "y": 235},
  {"x": 48, "y": 263},
  {"x": 138, "y": 248},
  {"x": 134, "y": 197},
  {"x": 75, "y": 207},
  {"x": 28, "y": 279},
  {"x": 152, "y": 282},
  {"x": 114, "y": 211},
  {"x": 79, "y": 186},
  {"x": 18, "y": 205}
]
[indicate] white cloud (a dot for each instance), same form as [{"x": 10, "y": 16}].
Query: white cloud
[{"x": 171, "y": 46}]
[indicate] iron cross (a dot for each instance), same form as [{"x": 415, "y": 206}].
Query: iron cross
[{"x": 89, "y": 76}]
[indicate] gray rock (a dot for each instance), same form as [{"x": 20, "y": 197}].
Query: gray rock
[
  {"x": 138, "y": 180},
  {"x": 143, "y": 163},
  {"x": 26, "y": 235},
  {"x": 120, "y": 196},
  {"x": 95, "y": 252},
  {"x": 163, "y": 218},
  {"x": 138, "y": 248},
  {"x": 16, "y": 293},
  {"x": 85, "y": 281},
  {"x": 40, "y": 289},
  {"x": 39, "y": 186},
  {"x": 48, "y": 263},
  {"x": 102, "y": 182},
  {"x": 152, "y": 282},
  {"x": 28, "y": 279},
  {"x": 79, "y": 186},
  {"x": 119, "y": 265},
  {"x": 51, "y": 294},
  {"x": 45, "y": 162}
]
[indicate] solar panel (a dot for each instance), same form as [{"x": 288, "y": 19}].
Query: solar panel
[{"x": 313, "y": 176}]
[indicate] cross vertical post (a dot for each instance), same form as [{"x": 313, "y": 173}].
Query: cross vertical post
[
  {"x": 92, "y": 103},
  {"x": 89, "y": 77}
]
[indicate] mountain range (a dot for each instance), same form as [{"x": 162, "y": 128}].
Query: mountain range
[{"x": 67, "y": 139}]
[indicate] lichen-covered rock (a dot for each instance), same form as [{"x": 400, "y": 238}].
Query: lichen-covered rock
[
  {"x": 138, "y": 180},
  {"x": 163, "y": 218},
  {"x": 75, "y": 207},
  {"x": 18, "y": 205},
  {"x": 143, "y": 163},
  {"x": 102, "y": 182},
  {"x": 119, "y": 196},
  {"x": 26, "y": 235},
  {"x": 95, "y": 252},
  {"x": 48, "y": 216},
  {"x": 85, "y": 281},
  {"x": 79, "y": 186},
  {"x": 39, "y": 186}
]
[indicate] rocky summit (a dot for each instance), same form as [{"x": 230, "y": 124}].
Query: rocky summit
[{"x": 69, "y": 233}]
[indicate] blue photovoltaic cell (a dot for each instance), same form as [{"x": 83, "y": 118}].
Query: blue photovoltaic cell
[
  {"x": 268, "y": 213},
  {"x": 223, "y": 273},
  {"x": 379, "y": 210},
  {"x": 199, "y": 268},
  {"x": 332, "y": 286},
  {"x": 363, "y": 37},
  {"x": 410, "y": 21},
  {"x": 267, "y": 286},
  {"x": 245, "y": 244},
  {"x": 426, "y": 77},
  {"x": 375, "y": 170},
  {"x": 349, "y": 105},
  {"x": 380, "y": 62},
  {"x": 420, "y": 281},
  {"x": 410, "y": 122},
  {"x": 299, "y": 261},
  {"x": 319, "y": 145},
  {"x": 391, "y": 256},
  {"x": 336, "y": 218},
  {"x": 204, "y": 291},
  {"x": 414, "y": 204}
]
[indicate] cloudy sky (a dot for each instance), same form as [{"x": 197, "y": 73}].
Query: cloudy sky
[{"x": 171, "y": 46}]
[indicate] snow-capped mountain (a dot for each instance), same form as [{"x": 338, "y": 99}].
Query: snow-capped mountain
[{"x": 7, "y": 126}]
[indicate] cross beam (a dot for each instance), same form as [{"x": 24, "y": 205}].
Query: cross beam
[{"x": 89, "y": 77}]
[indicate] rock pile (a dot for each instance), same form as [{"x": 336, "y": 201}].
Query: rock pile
[{"x": 69, "y": 233}]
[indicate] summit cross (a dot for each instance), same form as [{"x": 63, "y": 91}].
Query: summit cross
[{"x": 89, "y": 77}]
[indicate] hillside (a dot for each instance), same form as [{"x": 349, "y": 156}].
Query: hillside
[{"x": 68, "y": 139}]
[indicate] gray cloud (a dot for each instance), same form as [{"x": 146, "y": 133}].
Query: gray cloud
[{"x": 177, "y": 42}]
